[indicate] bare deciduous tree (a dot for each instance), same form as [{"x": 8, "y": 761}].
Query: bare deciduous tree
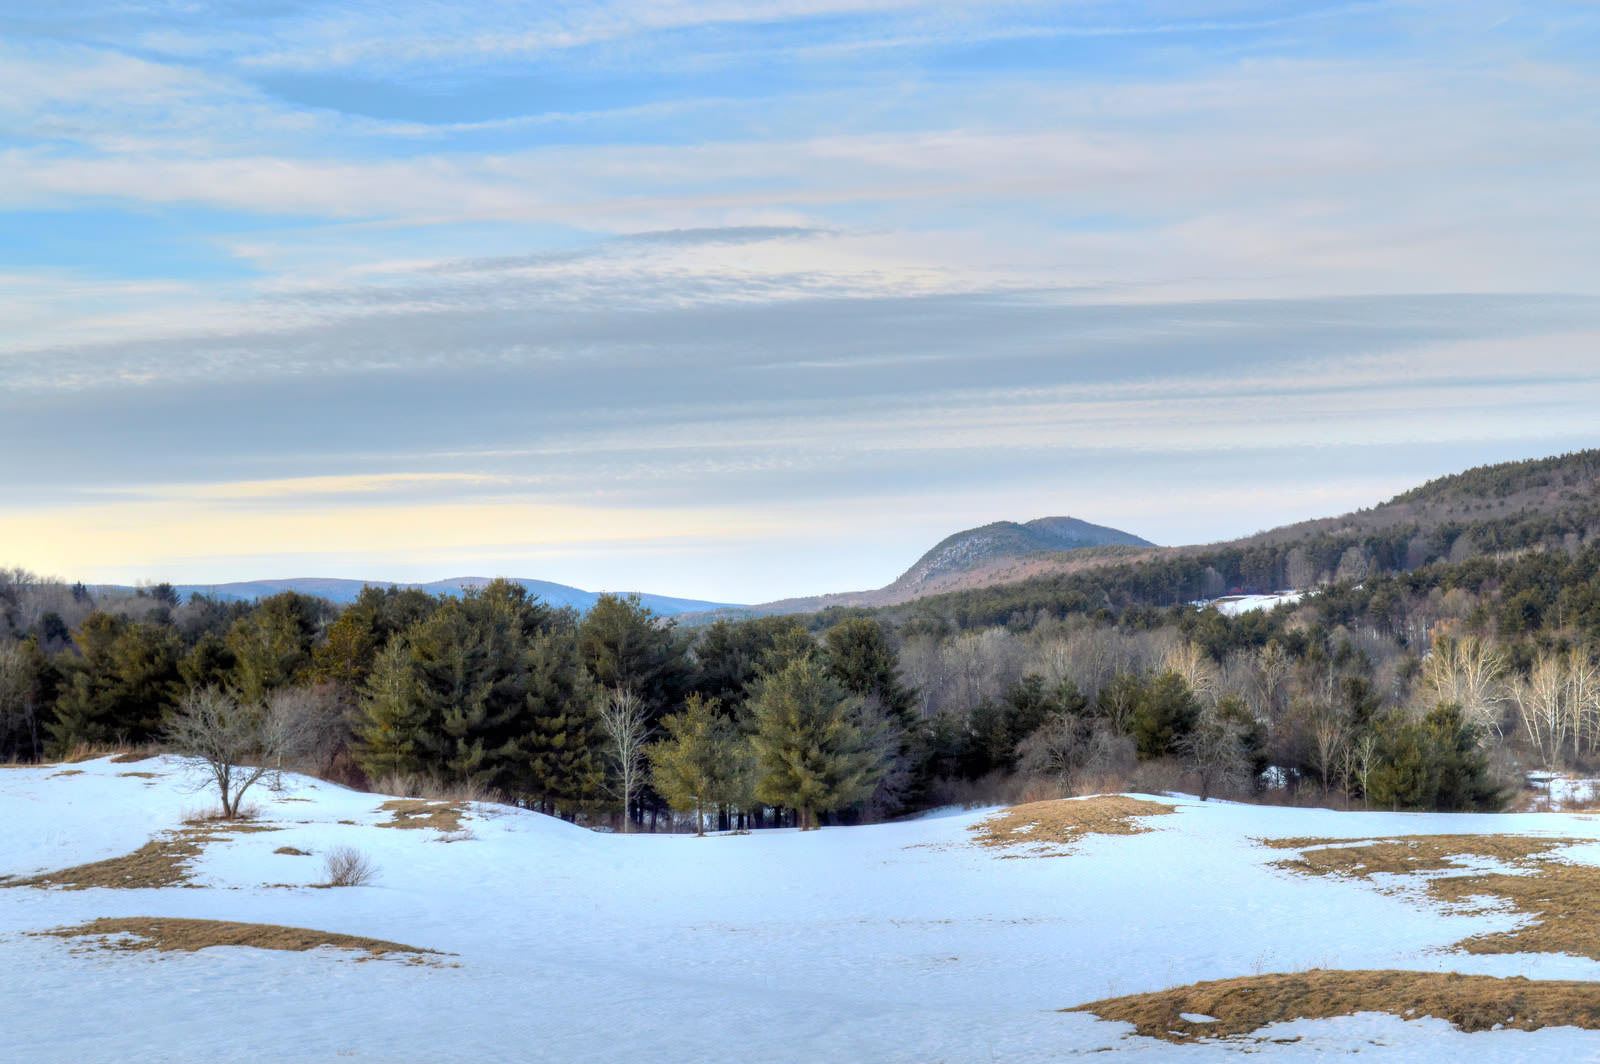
[
  {"x": 1196, "y": 668},
  {"x": 1542, "y": 700},
  {"x": 1214, "y": 748},
  {"x": 623, "y": 719},
  {"x": 1583, "y": 695},
  {"x": 1467, "y": 672},
  {"x": 1329, "y": 734},
  {"x": 306, "y": 724},
  {"x": 232, "y": 742}
]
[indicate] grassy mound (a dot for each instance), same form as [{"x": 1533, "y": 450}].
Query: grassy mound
[
  {"x": 421, "y": 813},
  {"x": 1048, "y": 829}
]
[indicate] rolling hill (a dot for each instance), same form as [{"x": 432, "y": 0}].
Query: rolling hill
[
  {"x": 493, "y": 933},
  {"x": 977, "y": 557},
  {"x": 1484, "y": 511}
]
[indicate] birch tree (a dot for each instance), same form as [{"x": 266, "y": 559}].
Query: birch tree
[{"x": 623, "y": 719}]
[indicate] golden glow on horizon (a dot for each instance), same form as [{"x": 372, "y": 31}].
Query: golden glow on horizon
[{"x": 101, "y": 540}]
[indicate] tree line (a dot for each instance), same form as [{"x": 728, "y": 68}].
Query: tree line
[{"x": 1433, "y": 687}]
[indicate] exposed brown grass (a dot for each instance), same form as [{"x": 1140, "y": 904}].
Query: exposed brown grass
[
  {"x": 132, "y": 757},
  {"x": 292, "y": 851},
  {"x": 1050, "y": 828},
  {"x": 140, "y": 775},
  {"x": 1247, "y": 1004},
  {"x": 1409, "y": 854},
  {"x": 161, "y": 862},
  {"x": 67, "y": 772},
  {"x": 1559, "y": 900},
  {"x": 171, "y": 934},
  {"x": 1562, "y": 902},
  {"x": 421, "y": 813}
]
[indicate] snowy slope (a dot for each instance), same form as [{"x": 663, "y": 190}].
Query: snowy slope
[{"x": 898, "y": 942}]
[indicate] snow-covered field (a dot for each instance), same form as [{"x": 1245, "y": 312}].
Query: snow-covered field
[
  {"x": 1234, "y": 605},
  {"x": 898, "y": 942}
]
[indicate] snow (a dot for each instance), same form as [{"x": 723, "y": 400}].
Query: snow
[
  {"x": 1565, "y": 792},
  {"x": 1233, "y": 605},
  {"x": 895, "y": 942}
]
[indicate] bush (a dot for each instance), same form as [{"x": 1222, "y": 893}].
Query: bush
[{"x": 349, "y": 867}]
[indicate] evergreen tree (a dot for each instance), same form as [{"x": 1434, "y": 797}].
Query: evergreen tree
[
  {"x": 625, "y": 645},
  {"x": 347, "y": 656},
  {"x": 209, "y": 663},
  {"x": 729, "y": 657},
  {"x": 1432, "y": 763},
  {"x": 392, "y": 724},
  {"x": 861, "y": 659},
  {"x": 562, "y": 770},
  {"x": 122, "y": 687},
  {"x": 272, "y": 644},
  {"x": 1165, "y": 712},
  {"x": 812, "y": 755},
  {"x": 858, "y": 655},
  {"x": 703, "y": 763}
]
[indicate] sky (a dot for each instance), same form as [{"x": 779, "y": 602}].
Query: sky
[{"x": 739, "y": 301}]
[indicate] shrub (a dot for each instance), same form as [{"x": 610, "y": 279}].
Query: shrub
[{"x": 349, "y": 867}]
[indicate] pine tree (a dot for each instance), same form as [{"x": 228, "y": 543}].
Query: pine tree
[
  {"x": 703, "y": 762},
  {"x": 391, "y": 719},
  {"x": 122, "y": 687},
  {"x": 561, "y": 769},
  {"x": 811, "y": 754}
]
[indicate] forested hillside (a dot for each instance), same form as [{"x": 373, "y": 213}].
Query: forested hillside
[{"x": 1441, "y": 656}]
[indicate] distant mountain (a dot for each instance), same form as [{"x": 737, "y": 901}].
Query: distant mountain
[
  {"x": 991, "y": 554},
  {"x": 345, "y": 591},
  {"x": 1003, "y": 541}
]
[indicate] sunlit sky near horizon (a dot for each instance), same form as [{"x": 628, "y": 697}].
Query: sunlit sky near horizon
[{"x": 740, "y": 301}]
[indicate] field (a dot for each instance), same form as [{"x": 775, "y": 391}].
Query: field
[{"x": 495, "y": 934}]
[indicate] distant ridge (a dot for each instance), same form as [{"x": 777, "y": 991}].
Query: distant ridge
[
  {"x": 1007, "y": 540},
  {"x": 989, "y": 554},
  {"x": 345, "y": 591}
]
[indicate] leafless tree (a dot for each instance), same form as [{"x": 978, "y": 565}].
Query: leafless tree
[
  {"x": 1069, "y": 748},
  {"x": 1329, "y": 735},
  {"x": 623, "y": 718},
  {"x": 233, "y": 743},
  {"x": 1546, "y": 710},
  {"x": 1196, "y": 668},
  {"x": 1583, "y": 695},
  {"x": 1214, "y": 748},
  {"x": 1468, "y": 672},
  {"x": 307, "y": 725}
]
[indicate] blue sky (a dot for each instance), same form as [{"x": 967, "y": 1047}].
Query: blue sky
[{"x": 740, "y": 300}]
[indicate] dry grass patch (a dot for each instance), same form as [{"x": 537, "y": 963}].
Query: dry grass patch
[
  {"x": 1409, "y": 854},
  {"x": 132, "y": 758},
  {"x": 292, "y": 851},
  {"x": 67, "y": 772},
  {"x": 421, "y": 813},
  {"x": 161, "y": 862},
  {"x": 1560, "y": 901},
  {"x": 1050, "y": 828},
  {"x": 1247, "y": 1004},
  {"x": 140, "y": 775},
  {"x": 172, "y": 934}
]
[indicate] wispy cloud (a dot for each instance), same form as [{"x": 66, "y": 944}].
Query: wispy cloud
[{"x": 705, "y": 268}]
